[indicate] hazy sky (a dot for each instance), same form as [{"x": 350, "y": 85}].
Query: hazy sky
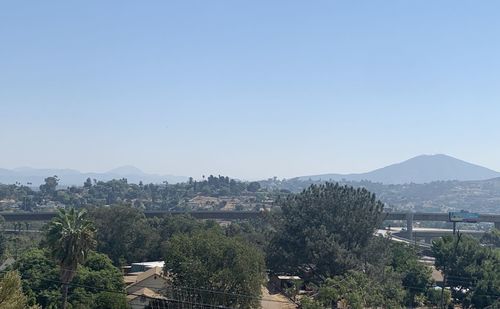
[{"x": 248, "y": 89}]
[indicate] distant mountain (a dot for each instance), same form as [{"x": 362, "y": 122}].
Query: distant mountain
[
  {"x": 481, "y": 196},
  {"x": 68, "y": 177},
  {"x": 421, "y": 169},
  {"x": 126, "y": 170}
]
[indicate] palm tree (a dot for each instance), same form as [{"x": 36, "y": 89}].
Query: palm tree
[{"x": 70, "y": 236}]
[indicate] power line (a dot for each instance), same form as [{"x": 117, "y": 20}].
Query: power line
[
  {"x": 172, "y": 287},
  {"x": 126, "y": 293},
  {"x": 213, "y": 291},
  {"x": 178, "y": 287}
]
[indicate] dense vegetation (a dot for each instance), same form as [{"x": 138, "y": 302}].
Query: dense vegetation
[
  {"x": 211, "y": 261},
  {"x": 324, "y": 234},
  {"x": 324, "y": 229},
  {"x": 96, "y": 283},
  {"x": 144, "y": 196},
  {"x": 472, "y": 270},
  {"x": 11, "y": 294},
  {"x": 438, "y": 196}
]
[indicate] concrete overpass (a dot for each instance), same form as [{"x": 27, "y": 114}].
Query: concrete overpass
[
  {"x": 21, "y": 231},
  {"x": 221, "y": 215},
  {"x": 245, "y": 215},
  {"x": 429, "y": 216},
  {"x": 427, "y": 234},
  {"x": 395, "y": 236}
]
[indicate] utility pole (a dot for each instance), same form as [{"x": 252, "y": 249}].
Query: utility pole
[{"x": 442, "y": 288}]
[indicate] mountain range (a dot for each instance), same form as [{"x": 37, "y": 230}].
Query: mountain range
[
  {"x": 420, "y": 169},
  {"x": 67, "y": 177}
]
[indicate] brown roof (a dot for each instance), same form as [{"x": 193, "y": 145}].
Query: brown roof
[
  {"x": 129, "y": 279},
  {"x": 148, "y": 273},
  {"x": 145, "y": 292},
  {"x": 437, "y": 275},
  {"x": 158, "y": 271}
]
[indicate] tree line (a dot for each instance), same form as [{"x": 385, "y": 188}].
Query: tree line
[
  {"x": 325, "y": 235},
  {"x": 163, "y": 196}
]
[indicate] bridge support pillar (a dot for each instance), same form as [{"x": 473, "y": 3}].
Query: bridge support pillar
[
  {"x": 497, "y": 225},
  {"x": 409, "y": 225}
]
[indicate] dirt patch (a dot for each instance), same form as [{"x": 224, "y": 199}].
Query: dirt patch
[{"x": 275, "y": 301}]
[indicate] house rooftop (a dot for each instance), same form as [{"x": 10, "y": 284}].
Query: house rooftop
[
  {"x": 129, "y": 279},
  {"x": 132, "y": 280},
  {"x": 145, "y": 292}
]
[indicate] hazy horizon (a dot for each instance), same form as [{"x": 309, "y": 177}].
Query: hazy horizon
[
  {"x": 249, "y": 90},
  {"x": 132, "y": 167}
]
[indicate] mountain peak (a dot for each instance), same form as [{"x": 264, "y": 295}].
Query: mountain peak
[
  {"x": 437, "y": 156},
  {"x": 419, "y": 169}
]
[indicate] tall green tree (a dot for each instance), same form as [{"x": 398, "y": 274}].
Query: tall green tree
[
  {"x": 40, "y": 277},
  {"x": 492, "y": 238},
  {"x": 472, "y": 270},
  {"x": 209, "y": 267},
  {"x": 324, "y": 229},
  {"x": 97, "y": 284},
  {"x": 124, "y": 234},
  {"x": 357, "y": 290},
  {"x": 253, "y": 186},
  {"x": 11, "y": 294},
  {"x": 50, "y": 186},
  {"x": 415, "y": 276},
  {"x": 70, "y": 237}
]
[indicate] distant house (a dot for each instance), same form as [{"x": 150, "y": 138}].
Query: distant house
[
  {"x": 142, "y": 287},
  {"x": 279, "y": 283},
  {"x": 141, "y": 298},
  {"x": 203, "y": 202},
  {"x": 153, "y": 279}
]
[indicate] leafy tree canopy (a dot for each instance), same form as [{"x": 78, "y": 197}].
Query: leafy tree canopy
[
  {"x": 357, "y": 290},
  {"x": 119, "y": 191},
  {"x": 210, "y": 261},
  {"x": 472, "y": 270},
  {"x": 123, "y": 233},
  {"x": 11, "y": 294},
  {"x": 324, "y": 229},
  {"x": 95, "y": 280},
  {"x": 127, "y": 236},
  {"x": 415, "y": 276},
  {"x": 492, "y": 238}
]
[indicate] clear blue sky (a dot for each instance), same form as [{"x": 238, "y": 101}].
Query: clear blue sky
[{"x": 248, "y": 89}]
